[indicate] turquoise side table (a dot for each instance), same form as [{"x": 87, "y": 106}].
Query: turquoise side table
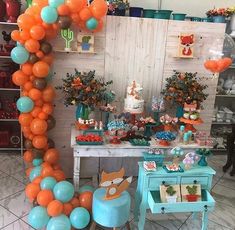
[{"x": 148, "y": 195}]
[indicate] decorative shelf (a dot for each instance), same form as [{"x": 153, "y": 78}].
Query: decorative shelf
[
  {"x": 5, "y": 57},
  {"x": 175, "y": 56},
  {"x": 225, "y": 95},
  {"x": 73, "y": 51},
  {"x": 8, "y": 119},
  {"x": 220, "y": 123},
  {"x": 9, "y": 89},
  {"x": 8, "y": 23},
  {"x": 10, "y": 148}
]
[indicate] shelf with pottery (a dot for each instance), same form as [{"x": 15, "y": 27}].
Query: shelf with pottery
[
  {"x": 9, "y": 23},
  {"x": 9, "y": 120}
]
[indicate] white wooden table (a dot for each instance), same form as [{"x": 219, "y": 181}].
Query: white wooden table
[{"x": 125, "y": 149}]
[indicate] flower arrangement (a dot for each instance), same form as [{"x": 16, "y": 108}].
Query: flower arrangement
[
  {"x": 167, "y": 120},
  {"x": 117, "y": 4},
  {"x": 83, "y": 88},
  {"x": 226, "y": 12},
  {"x": 182, "y": 86}
]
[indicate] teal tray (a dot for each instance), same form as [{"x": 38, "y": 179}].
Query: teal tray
[
  {"x": 139, "y": 144},
  {"x": 180, "y": 169},
  {"x": 89, "y": 143}
]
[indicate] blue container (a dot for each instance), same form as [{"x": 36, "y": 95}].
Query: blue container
[
  {"x": 135, "y": 12},
  {"x": 148, "y": 13},
  {"x": 218, "y": 19},
  {"x": 163, "y": 14},
  {"x": 179, "y": 16}
]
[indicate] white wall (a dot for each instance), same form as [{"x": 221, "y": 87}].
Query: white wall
[{"x": 191, "y": 7}]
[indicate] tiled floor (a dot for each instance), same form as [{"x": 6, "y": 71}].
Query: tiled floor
[{"x": 14, "y": 208}]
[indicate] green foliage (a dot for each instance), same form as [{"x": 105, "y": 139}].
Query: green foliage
[
  {"x": 86, "y": 39},
  {"x": 170, "y": 191},
  {"x": 192, "y": 190},
  {"x": 83, "y": 88},
  {"x": 183, "y": 86}
]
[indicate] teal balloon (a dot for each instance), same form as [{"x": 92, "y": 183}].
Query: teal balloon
[
  {"x": 37, "y": 162},
  {"x": 79, "y": 218},
  {"x": 86, "y": 188},
  {"x": 19, "y": 55},
  {"x": 49, "y": 14},
  {"x": 25, "y": 104},
  {"x": 38, "y": 217},
  {"x": 63, "y": 191},
  {"x": 48, "y": 183},
  {"x": 56, "y": 3},
  {"x": 61, "y": 222},
  {"x": 19, "y": 44},
  {"x": 36, "y": 171},
  {"x": 91, "y": 24}
]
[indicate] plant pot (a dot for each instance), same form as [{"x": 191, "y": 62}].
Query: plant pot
[
  {"x": 196, "y": 19},
  {"x": 120, "y": 12},
  {"x": 191, "y": 198},
  {"x": 86, "y": 46},
  {"x": 232, "y": 26},
  {"x": 218, "y": 19},
  {"x": 163, "y": 14},
  {"x": 148, "y": 13},
  {"x": 2, "y": 10},
  {"x": 82, "y": 112},
  {"x": 135, "y": 12},
  {"x": 13, "y": 10},
  {"x": 202, "y": 161},
  {"x": 171, "y": 199},
  {"x": 179, "y": 17},
  {"x": 179, "y": 111}
]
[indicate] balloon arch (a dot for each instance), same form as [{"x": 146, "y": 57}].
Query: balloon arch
[{"x": 56, "y": 205}]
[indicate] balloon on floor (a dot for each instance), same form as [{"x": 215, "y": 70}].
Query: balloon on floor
[{"x": 54, "y": 198}]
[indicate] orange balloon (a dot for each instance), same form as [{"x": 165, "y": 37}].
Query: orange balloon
[
  {"x": 24, "y": 35},
  {"x": 40, "y": 54},
  {"x": 57, "y": 167},
  {"x": 35, "y": 94},
  {"x": 55, "y": 26},
  {"x": 19, "y": 78},
  {"x": 32, "y": 45},
  {"x": 33, "y": 10},
  {"x": 28, "y": 156},
  {"x": 43, "y": 116},
  {"x": 28, "y": 85},
  {"x": 63, "y": 10},
  {"x": 36, "y": 110},
  {"x": 51, "y": 156},
  {"x": 39, "y": 141},
  {"x": 26, "y": 21},
  {"x": 39, "y": 103},
  {"x": 37, "y": 32},
  {"x": 44, "y": 197},
  {"x": 47, "y": 108},
  {"x": 76, "y": 5},
  {"x": 45, "y": 164},
  {"x": 25, "y": 129},
  {"x": 32, "y": 190},
  {"x": 31, "y": 136},
  {"x": 67, "y": 209},
  {"x": 55, "y": 208},
  {"x": 38, "y": 126},
  {"x": 75, "y": 17},
  {"x": 25, "y": 93},
  {"x": 27, "y": 68},
  {"x": 75, "y": 202},
  {"x": 28, "y": 171},
  {"x": 51, "y": 33},
  {"x": 59, "y": 175},
  {"x": 48, "y": 59},
  {"x": 25, "y": 119},
  {"x": 211, "y": 65},
  {"x": 47, "y": 171},
  {"x": 99, "y": 26},
  {"x": 46, "y": 26},
  {"x": 85, "y": 14},
  {"x": 85, "y": 200},
  {"x": 15, "y": 35},
  {"x": 40, "y": 3},
  {"x": 99, "y": 8},
  {"x": 31, "y": 78},
  {"x": 37, "y": 180},
  {"x": 48, "y": 94},
  {"x": 41, "y": 69}
]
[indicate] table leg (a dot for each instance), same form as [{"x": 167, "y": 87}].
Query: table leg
[
  {"x": 195, "y": 214},
  {"x": 137, "y": 199},
  {"x": 204, "y": 220},
  {"x": 141, "y": 222},
  {"x": 76, "y": 173}
]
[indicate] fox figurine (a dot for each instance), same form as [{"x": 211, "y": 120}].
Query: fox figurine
[
  {"x": 186, "y": 43},
  {"x": 114, "y": 183}
]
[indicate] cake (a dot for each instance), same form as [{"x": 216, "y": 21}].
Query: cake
[{"x": 133, "y": 102}]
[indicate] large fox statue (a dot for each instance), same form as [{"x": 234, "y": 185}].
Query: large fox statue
[{"x": 114, "y": 183}]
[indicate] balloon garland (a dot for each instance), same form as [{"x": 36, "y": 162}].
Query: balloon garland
[{"x": 57, "y": 206}]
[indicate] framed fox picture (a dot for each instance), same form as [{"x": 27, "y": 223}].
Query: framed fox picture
[
  {"x": 186, "y": 45},
  {"x": 85, "y": 43}
]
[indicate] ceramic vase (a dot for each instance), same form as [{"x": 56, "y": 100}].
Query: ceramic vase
[
  {"x": 202, "y": 161},
  {"x": 82, "y": 112},
  {"x": 232, "y": 26},
  {"x": 2, "y": 10},
  {"x": 219, "y": 19},
  {"x": 13, "y": 10}
]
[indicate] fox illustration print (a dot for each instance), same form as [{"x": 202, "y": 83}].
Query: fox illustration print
[
  {"x": 186, "y": 43},
  {"x": 114, "y": 183}
]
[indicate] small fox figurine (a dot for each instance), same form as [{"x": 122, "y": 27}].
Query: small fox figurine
[
  {"x": 114, "y": 183},
  {"x": 186, "y": 43}
]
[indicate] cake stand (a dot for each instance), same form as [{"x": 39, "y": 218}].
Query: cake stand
[
  {"x": 189, "y": 124},
  {"x": 165, "y": 137}
]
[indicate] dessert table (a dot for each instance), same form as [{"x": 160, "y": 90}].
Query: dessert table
[{"x": 125, "y": 149}]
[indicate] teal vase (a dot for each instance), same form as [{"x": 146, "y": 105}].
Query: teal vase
[
  {"x": 202, "y": 161},
  {"x": 179, "y": 111},
  {"x": 82, "y": 112},
  {"x": 219, "y": 19}
]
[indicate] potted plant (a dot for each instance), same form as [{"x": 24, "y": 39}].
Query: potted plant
[
  {"x": 117, "y": 7},
  {"x": 85, "y": 42},
  {"x": 181, "y": 86},
  {"x": 13, "y": 10},
  {"x": 192, "y": 193},
  {"x": 218, "y": 15},
  {"x": 171, "y": 196},
  {"x": 204, "y": 153}
]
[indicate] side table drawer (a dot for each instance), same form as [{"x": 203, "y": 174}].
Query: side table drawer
[
  {"x": 155, "y": 182},
  {"x": 202, "y": 180},
  {"x": 206, "y": 204}
]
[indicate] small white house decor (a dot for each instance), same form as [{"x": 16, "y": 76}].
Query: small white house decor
[{"x": 85, "y": 43}]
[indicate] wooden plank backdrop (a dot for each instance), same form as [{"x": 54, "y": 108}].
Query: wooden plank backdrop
[{"x": 132, "y": 49}]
